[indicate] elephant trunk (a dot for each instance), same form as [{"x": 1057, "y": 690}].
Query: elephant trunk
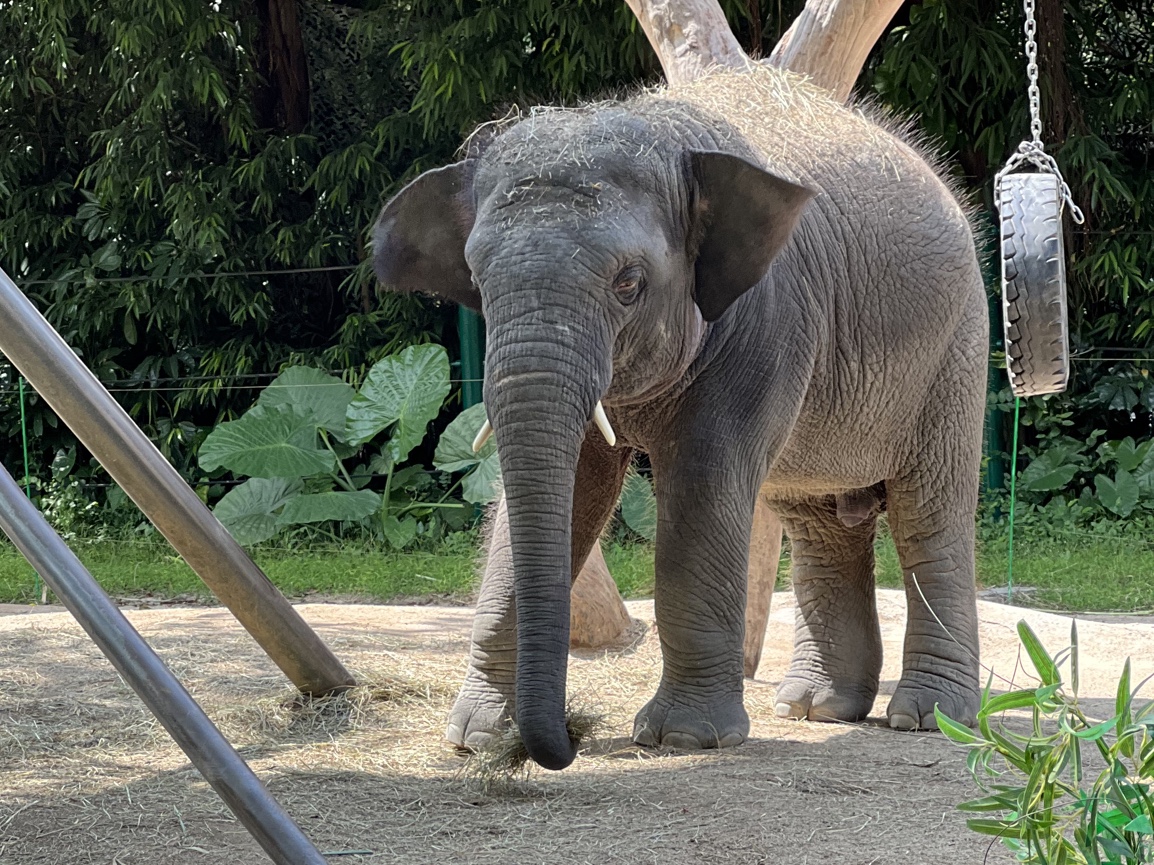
[{"x": 539, "y": 418}]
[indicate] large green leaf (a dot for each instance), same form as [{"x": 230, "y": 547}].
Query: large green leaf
[
  {"x": 1051, "y": 470},
  {"x": 1118, "y": 494},
  {"x": 1144, "y": 471},
  {"x": 405, "y": 389},
  {"x": 638, "y": 506},
  {"x": 399, "y": 533},
  {"x": 248, "y": 511},
  {"x": 1117, "y": 393},
  {"x": 483, "y": 483},
  {"x": 333, "y": 505},
  {"x": 455, "y": 454},
  {"x": 267, "y": 442},
  {"x": 455, "y": 448},
  {"x": 311, "y": 390}
]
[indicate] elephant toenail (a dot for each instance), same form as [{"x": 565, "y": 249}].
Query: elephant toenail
[{"x": 788, "y": 710}]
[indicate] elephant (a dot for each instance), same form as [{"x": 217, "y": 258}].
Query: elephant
[{"x": 771, "y": 295}]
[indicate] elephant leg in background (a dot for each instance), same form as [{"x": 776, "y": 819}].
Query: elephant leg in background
[
  {"x": 764, "y": 557},
  {"x": 486, "y": 701},
  {"x": 837, "y": 649},
  {"x": 705, "y": 514}
]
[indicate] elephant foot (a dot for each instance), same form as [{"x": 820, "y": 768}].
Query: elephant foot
[
  {"x": 804, "y": 699},
  {"x": 481, "y": 713},
  {"x": 912, "y": 705},
  {"x": 691, "y": 724}
]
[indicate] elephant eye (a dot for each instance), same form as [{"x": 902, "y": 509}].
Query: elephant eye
[{"x": 628, "y": 283}]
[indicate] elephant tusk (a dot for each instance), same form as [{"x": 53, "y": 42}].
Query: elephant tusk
[
  {"x": 483, "y": 434},
  {"x": 603, "y": 424}
]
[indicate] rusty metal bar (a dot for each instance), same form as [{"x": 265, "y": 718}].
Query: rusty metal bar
[
  {"x": 152, "y": 681},
  {"x": 73, "y": 392}
]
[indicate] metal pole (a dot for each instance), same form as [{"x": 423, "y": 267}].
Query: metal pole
[
  {"x": 105, "y": 428},
  {"x": 153, "y": 682},
  {"x": 471, "y": 331}
]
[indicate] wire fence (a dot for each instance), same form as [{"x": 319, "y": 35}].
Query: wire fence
[
  {"x": 150, "y": 385},
  {"x": 266, "y": 380}
]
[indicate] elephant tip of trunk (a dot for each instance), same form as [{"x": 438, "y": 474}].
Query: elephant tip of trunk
[{"x": 551, "y": 750}]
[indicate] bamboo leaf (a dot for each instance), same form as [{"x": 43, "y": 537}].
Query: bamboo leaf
[
  {"x": 954, "y": 731},
  {"x": 1043, "y": 663}
]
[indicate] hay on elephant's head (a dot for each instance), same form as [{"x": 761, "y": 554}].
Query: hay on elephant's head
[{"x": 505, "y": 760}]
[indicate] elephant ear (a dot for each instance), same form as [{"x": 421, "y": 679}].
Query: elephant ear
[
  {"x": 419, "y": 238},
  {"x": 743, "y": 216}
]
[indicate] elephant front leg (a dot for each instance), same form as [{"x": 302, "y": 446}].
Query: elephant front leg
[
  {"x": 703, "y": 532},
  {"x": 837, "y": 649},
  {"x": 486, "y": 703}
]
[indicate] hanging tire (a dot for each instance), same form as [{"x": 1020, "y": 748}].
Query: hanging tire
[{"x": 1034, "y": 284}]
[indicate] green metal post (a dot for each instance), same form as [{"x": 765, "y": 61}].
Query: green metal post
[
  {"x": 995, "y": 442},
  {"x": 471, "y": 331}
]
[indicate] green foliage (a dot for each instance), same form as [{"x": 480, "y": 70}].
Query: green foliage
[
  {"x": 251, "y": 511},
  {"x": 405, "y": 392},
  {"x": 136, "y": 168},
  {"x": 1071, "y": 474},
  {"x": 959, "y": 67},
  {"x": 141, "y": 171},
  {"x": 639, "y": 505},
  {"x": 455, "y": 454},
  {"x": 293, "y": 446},
  {"x": 1041, "y": 804},
  {"x": 268, "y": 442}
]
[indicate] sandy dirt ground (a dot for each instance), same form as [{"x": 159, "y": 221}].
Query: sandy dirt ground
[{"x": 88, "y": 776}]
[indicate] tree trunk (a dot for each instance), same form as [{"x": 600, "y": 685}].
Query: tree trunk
[
  {"x": 597, "y": 617},
  {"x": 283, "y": 100},
  {"x": 764, "y": 557}
]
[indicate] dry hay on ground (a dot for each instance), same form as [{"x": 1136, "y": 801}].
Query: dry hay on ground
[{"x": 86, "y": 774}]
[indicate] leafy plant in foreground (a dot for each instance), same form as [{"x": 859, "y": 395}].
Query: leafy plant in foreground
[
  {"x": 1040, "y": 805},
  {"x": 310, "y": 448}
]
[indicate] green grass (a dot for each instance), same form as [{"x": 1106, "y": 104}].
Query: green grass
[
  {"x": 132, "y": 569},
  {"x": 152, "y": 569},
  {"x": 1078, "y": 573}
]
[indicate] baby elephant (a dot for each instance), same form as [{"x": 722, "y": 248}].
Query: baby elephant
[{"x": 767, "y": 293}]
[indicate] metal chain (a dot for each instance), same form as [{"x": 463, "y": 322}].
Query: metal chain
[
  {"x": 1033, "y": 151},
  {"x": 1035, "y": 96}
]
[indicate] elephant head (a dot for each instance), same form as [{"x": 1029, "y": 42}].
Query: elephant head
[{"x": 597, "y": 246}]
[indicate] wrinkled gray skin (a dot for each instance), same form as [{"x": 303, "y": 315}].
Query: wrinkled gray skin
[{"x": 787, "y": 302}]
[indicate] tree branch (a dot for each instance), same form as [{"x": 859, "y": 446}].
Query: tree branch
[
  {"x": 689, "y": 36},
  {"x": 829, "y": 41}
]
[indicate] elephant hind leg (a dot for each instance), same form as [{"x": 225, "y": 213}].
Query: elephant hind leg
[
  {"x": 931, "y": 504},
  {"x": 933, "y": 531},
  {"x": 837, "y": 652},
  {"x": 931, "y": 518}
]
